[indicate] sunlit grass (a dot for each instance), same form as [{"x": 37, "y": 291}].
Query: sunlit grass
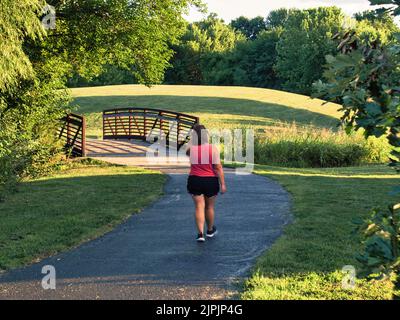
[
  {"x": 217, "y": 107},
  {"x": 306, "y": 262},
  {"x": 294, "y": 146},
  {"x": 314, "y": 286}
]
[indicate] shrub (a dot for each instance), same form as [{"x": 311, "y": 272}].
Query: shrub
[
  {"x": 29, "y": 116},
  {"x": 291, "y": 146},
  {"x": 26, "y": 157}
]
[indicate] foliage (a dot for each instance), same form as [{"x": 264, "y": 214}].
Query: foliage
[
  {"x": 28, "y": 120},
  {"x": 270, "y": 53},
  {"x": 384, "y": 19},
  {"x": 250, "y": 63},
  {"x": 88, "y": 36},
  {"x": 131, "y": 35},
  {"x": 304, "y": 43},
  {"x": 200, "y": 48},
  {"x": 371, "y": 28},
  {"x": 365, "y": 77},
  {"x": 277, "y": 18},
  {"x": 381, "y": 238},
  {"x": 250, "y": 28},
  {"x": 29, "y": 102},
  {"x": 18, "y": 21},
  {"x": 314, "y": 148},
  {"x": 111, "y": 75},
  {"x": 212, "y": 53}
]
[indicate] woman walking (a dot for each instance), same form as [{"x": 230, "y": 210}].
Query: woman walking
[{"x": 206, "y": 180}]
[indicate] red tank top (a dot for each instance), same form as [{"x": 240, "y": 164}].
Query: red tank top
[{"x": 202, "y": 159}]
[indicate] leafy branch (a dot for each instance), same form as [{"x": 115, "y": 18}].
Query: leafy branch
[{"x": 365, "y": 78}]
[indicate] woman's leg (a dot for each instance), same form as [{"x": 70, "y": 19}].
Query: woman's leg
[
  {"x": 210, "y": 203},
  {"x": 199, "y": 214}
]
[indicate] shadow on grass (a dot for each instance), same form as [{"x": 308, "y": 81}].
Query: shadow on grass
[
  {"x": 49, "y": 216},
  {"x": 325, "y": 203},
  {"x": 211, "y": 105}
]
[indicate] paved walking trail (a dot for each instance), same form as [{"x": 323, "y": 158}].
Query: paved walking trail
[{"x": 154, "y": 254}]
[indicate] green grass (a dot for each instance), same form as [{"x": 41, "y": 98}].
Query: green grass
[
  {"x": 306, "y": 262},
  {"x": 81, "y": 202},
  {"x": 292, "y": 146},
  {"x": 227, "y": 107}
]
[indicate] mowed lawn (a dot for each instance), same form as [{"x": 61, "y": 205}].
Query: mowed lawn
[
  {"x": 306, "y": 262},
  {"x": 81, "y": 202},
  {"x": 87, "y": 199},
  {"x": 217, "y": 107}
]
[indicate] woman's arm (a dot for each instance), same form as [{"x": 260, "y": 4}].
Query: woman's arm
[
  {"x": 219, "y": 169},
  {"x": 220, "y": 172},
  {"x": 187, "y": 146},
  {"x": 188, "y": 151}
]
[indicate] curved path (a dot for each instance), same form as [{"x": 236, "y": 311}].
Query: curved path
[{"x": 154, "y": 255}]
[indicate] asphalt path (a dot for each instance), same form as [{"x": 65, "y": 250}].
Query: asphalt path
[{"x": 154, "y": 255}]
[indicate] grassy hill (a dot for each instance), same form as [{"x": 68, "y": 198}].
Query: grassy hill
[{"x": 227, "y": 107}]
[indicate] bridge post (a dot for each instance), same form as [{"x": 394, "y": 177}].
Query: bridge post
[
  {"x": 73, "y": 134},
  {"x": 130, "y": 123},
  {"x": 83, "y": 138}
]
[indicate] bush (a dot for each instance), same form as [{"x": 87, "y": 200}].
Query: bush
[
  {"x": 29, "y": 116},
  {"x": 27, "y": 158},
  {"x": 317, "y": 148}
]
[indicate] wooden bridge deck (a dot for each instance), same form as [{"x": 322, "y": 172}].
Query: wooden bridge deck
[{"x": 134, "y": 153}]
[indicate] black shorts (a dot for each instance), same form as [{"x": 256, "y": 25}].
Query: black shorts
[{"x": 207, "y": 186}]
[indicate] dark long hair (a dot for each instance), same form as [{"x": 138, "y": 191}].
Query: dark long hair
[{"x": 199, "y": 134}]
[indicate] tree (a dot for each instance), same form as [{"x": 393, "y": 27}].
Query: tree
[
  {"x": 250, "y": 28},
  {"x": 89, "y": 35},
  {"x": 277, "y": 18},
  {"x": 111, "y": 75},
  {"x": 370, "y": 15},
  {"x": 134, "y": 35},
  {"x": 371, "y": 27},
  {"x": 304, "y": 43},
  {"x": 200, "y": 49},
  {"x": 18, "y": 21},
  {"x": 250, "y": 63}
]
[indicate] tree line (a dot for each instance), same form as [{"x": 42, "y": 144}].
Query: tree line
[{"x": 286, "y": 50}]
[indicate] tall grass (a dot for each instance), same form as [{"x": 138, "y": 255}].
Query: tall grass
[{"x": 293, "y": 146}]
